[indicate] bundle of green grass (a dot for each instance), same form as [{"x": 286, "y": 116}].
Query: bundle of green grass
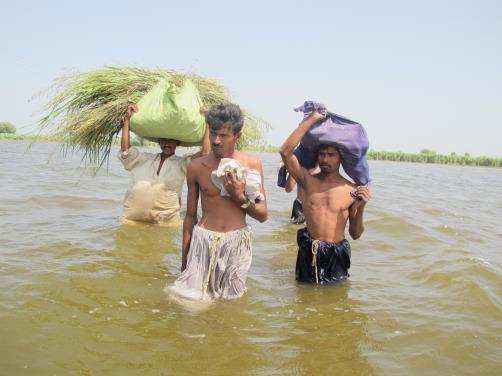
[{"x": 88, "y": 108}]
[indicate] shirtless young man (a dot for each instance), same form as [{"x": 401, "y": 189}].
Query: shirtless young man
[
  {"x": 329, "y": 202},
  {"x": 216, "y": 250}
]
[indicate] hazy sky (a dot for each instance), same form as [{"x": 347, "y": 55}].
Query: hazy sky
[{"x": 421, "y": 74}]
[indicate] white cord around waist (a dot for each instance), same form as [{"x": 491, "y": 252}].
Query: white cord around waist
[{"x": 315, "y": 249}]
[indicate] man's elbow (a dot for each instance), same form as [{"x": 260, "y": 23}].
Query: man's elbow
[
  {"x": 262, "y": 217},
  {"x": 356, "y": 234},
  {"x": 285, "y": 152}
]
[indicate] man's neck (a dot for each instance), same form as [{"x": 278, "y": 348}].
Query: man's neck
[
  {"x": 330, "y": 176},
  {"x": 226, "y": 155}
]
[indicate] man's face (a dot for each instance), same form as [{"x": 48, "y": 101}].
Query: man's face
[
  {"x": 223, "y": 141},
  {"x": 329, "y": 159},
  {"x": 168, "y": 146}
]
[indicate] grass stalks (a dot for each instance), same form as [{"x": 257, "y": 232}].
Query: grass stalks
[{"x": 87, "y": 108}]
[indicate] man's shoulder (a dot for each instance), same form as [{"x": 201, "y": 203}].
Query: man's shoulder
[
  {"x": 201, "y": 162},
  {"x": 135, "y": 152},
  {"x": 248, "y": 160},
  {"x": 348, "y": 184},
  {"x": 144, "y": 153},
  {"x": 177, "y": 158}
]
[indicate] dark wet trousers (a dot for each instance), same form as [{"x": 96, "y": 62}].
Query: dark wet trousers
[{"x": 321, "y": 262}]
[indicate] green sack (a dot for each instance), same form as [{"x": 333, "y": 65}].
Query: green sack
[{"x": 170, "y": 111}]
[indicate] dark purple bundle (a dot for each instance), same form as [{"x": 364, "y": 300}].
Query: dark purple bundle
[{"x": 346, "y": 135}]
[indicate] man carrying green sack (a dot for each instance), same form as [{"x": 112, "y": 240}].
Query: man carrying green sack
[{"x": 154, "y": 193}]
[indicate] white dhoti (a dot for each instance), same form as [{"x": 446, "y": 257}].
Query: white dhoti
[{"x": 217, "y": 265}]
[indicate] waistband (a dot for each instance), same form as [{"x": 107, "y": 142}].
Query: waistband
[
  {"x": 245, "y": 229},
  {"x": 304, "y": 234}
]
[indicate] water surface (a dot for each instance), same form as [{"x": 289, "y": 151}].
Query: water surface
[{"x": 83, "y": 295}]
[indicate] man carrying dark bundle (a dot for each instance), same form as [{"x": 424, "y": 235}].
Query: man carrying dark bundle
[{"x": 329, "y": 202}]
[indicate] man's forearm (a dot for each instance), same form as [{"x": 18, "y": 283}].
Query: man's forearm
[
  {"x": 206, "y": 144},
  {"x": 257, "y": 211},
  {"x": 124, "y": 141},
  {"x": 188, "y": 225},
  {"x": 356, "y": 227},
  {"x": 294, "y": 139}
]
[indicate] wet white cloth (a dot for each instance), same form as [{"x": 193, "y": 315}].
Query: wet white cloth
[
  {"x": 217, "y": 265},
  {"x": 152, "y": 198},
  {"x": 250, "y": 176}
]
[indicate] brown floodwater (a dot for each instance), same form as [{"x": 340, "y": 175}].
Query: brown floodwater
[{"x": 83, "y": 295}]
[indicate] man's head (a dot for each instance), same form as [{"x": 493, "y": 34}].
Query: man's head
[
  {"x": 225, "y": 121},
  {"x": 168, "y": 146},
  {"x": 329, "y": 159}
]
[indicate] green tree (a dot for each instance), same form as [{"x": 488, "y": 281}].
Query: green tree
[{"x": 6, "y": 127}]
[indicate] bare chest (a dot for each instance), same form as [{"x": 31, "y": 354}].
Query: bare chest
[
  {"x": 333, "y": 199},
  {"x": 206, "y": 186}
]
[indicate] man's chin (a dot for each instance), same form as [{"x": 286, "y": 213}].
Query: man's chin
[{"x": 218, "y": 152}]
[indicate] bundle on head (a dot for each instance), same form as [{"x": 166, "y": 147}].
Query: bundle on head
[{"x": 87, "y": 110}]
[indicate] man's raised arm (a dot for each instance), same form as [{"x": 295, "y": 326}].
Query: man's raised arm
[
  {"x": 206, "y": 144},
  {"x": 124, "y": 140},
  {"x": 292, "y": 141}
]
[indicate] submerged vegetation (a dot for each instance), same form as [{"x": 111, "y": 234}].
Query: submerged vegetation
[
  {"x": 87, "y": 110},
  {"x": 428, "y": 156}
]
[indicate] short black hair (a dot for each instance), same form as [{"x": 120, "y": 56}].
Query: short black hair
[
  {"x": 325, "y": 146},
  {"x": 225, "y": 113}
]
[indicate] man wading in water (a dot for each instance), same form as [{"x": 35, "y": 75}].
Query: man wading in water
[
  {"x": 329, "y": 202},
  {"x": 154, "y": 193},
  {"x": 216, "y": 250}
]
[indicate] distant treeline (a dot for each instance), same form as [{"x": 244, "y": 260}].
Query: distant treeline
[
  {"x": 428, "y": 156},
  {"x": 14, "y": 136},
  {"x": 54, "y": 138},
  {"x": 425, "y": 155}
]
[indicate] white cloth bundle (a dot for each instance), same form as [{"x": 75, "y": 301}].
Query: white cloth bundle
[{"x": 251, "y": 177}]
